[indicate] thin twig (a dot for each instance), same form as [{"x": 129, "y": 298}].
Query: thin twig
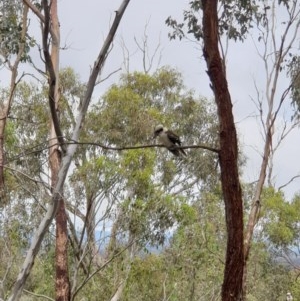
[
  {"x": 107, "y": 77},
  {"x": 28, "y": 177},
  {"x": 38, "y": 295},
  {"x": 289, "y": 182},
  {"x": 86, "y": 280}
]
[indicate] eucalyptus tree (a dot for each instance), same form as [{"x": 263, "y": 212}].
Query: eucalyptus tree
[
  {"x": 14, "y": 50},
  {"x": 280, "y": 221},
  {"x": 196, "y": 251},
  {"x": 138, "y": 191},
  {"x": 68, "y": 151},
  {"x": 234, "y": 20}
]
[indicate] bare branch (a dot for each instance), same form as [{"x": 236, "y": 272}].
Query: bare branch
[
  {"x": 28, "y": 177},
  {"x": 89, "y": 277},
  {"x": 126, "y": 55},
  {"x": 35, "y": 10},
  {"x": 289, "y": 182},
  {"x": 144, "y": 48},
  {"x": 273, "y": 65},
  {"x": 108, "y": 76},
  {"x": 38, "y": 295}
]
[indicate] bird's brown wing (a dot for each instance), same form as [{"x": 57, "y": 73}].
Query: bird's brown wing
[
  {"x": 173, "y": 137},
  {"x": 176, "y": 140}
]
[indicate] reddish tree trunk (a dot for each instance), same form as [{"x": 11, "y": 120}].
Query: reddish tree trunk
[
  {"x": 62, "y": 285},
  {"x": 228, "y": 156},
  {"x": 62, "y": 278}
]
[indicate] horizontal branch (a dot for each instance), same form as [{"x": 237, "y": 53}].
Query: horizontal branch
[
  {"x": 120, "y": 148},
  {"x": 38, "y": 148}
]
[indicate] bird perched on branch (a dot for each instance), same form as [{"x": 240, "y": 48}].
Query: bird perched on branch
[{"x": 169, "y": 139}]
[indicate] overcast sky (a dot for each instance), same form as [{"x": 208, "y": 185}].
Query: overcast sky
[{"x": 84, "y": 25}]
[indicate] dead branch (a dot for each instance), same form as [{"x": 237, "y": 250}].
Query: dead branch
[
  {"x": 289, "y": 182},
  {"x": 38, "y": 295},
  {"x": 144, "y": 48},
  {"x": 108, "y": 76},
  {"x": 35, "y": 10}
]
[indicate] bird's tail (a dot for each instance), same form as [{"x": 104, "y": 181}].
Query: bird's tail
[{"x": 177, "y": 151}]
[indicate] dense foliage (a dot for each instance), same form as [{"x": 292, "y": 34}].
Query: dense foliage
[{"x": 170, "y": 208}]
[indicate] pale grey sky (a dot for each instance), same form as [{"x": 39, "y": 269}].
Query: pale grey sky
[{"x": 84, "y": 25}]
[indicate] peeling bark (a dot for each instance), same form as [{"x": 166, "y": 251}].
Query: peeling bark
[{"x": 62, "y": 283}]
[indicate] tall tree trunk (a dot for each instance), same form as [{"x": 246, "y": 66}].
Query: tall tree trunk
[
  {"x": 228, "y": 156},
  {"x": 62, "y": 284}
]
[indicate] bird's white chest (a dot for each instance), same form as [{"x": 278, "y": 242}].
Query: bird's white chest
[{"x": 164, "y": 139}]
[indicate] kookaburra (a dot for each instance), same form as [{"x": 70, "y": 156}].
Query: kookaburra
[
  {"x": 169, "y": 139},
  {"x": 289, "y": 296}
]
